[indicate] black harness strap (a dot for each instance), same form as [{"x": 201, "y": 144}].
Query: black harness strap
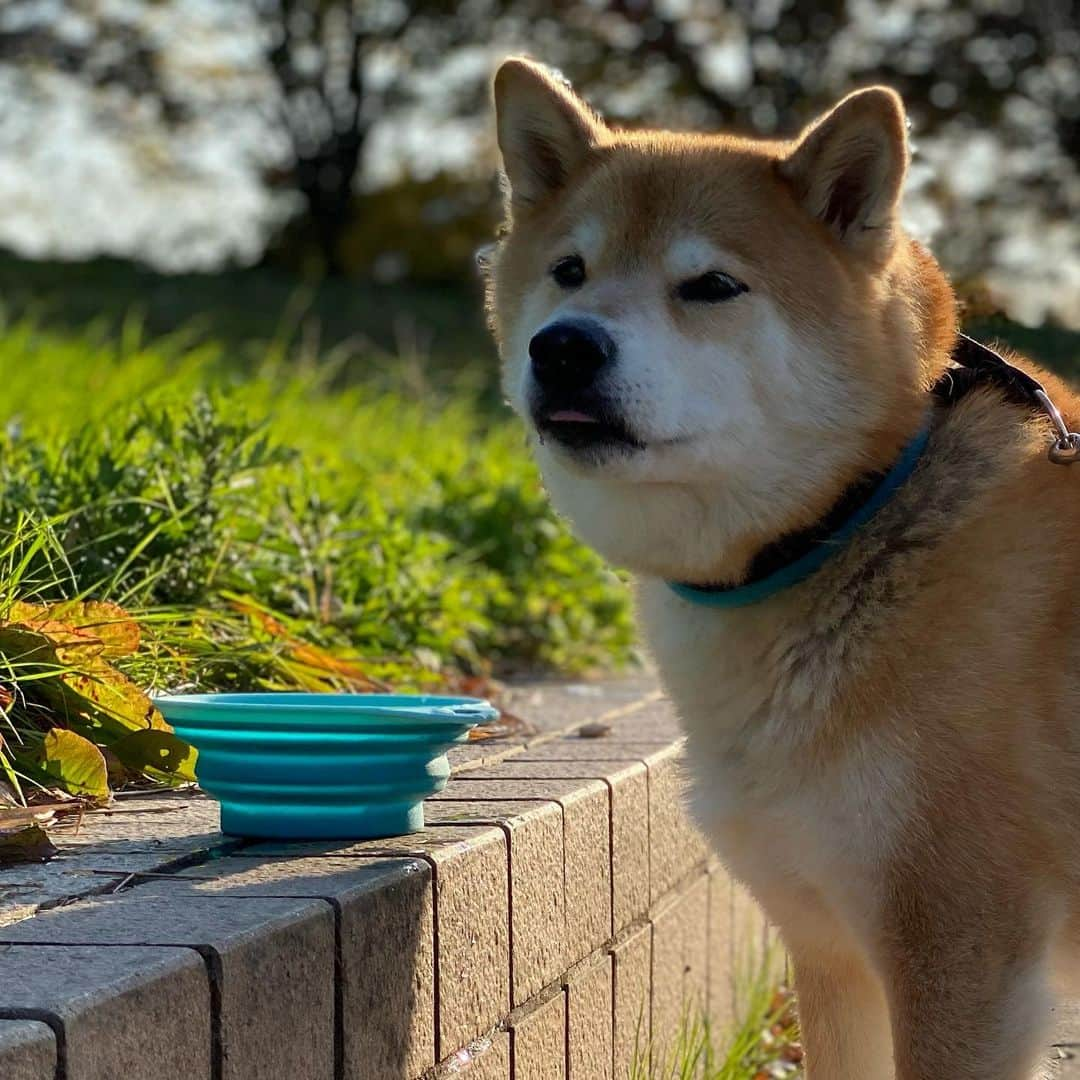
[{"x": 978, "y": 365}]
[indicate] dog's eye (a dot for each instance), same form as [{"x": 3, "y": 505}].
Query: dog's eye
[
  {"x": 569, "y": 272},
  {"x": 710, "y": 288}
]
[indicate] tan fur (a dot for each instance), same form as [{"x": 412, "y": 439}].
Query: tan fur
[{"x": 889, "y": 753}]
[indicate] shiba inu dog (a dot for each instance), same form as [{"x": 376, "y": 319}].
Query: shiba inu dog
[{"x": 856, "y": 566}]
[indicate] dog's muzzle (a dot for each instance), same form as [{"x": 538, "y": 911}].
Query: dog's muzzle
[{"x": 569, "y": 361}]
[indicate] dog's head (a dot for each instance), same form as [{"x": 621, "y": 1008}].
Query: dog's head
[{"x": 709, "y": 336}]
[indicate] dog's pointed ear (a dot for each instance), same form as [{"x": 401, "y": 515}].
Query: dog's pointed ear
[
  {"x": 848, "y": 167},
  {"x": 545, "y": 130}
]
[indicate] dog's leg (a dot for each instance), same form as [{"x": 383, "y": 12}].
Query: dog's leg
[
  {"x": 970, "y": 996},
  {"x": 843, "y": 1018}
]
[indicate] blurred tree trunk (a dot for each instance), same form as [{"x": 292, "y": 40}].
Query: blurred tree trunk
[{"x": 316, "y": 56}]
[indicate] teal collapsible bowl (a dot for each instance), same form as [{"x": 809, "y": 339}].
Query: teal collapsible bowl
[{"x": 322, "y": 766}]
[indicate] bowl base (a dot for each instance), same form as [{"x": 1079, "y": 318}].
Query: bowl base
[{"x": 374, "y": 821}]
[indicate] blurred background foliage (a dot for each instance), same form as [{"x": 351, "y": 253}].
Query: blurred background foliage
[{"x": 352, "y": 137}]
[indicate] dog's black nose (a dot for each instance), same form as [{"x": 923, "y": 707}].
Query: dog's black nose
[{"x": 567, "y": 355}]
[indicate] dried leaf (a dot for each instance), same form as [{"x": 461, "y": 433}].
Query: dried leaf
[
  {"x": 26, "y": 843},
  {"x": 159, "y": 754},
  {"x": 74, "y": 679},
  {"x": 322, "y": 660},
  {"x": 82, "y": 623},
  {"x": 23, "y": 646},
  {"x": 100, "y": 688},
  {"x": 118, "y": 773},
  {"x": 69, "y": 645},
  {"x": 108, "y": 622},
  {"x": 75, "y": 763},
  {"x": 310, "y": 665},
  {"x": 507, "y": 726},
  {"x": 479, "y": 686},
  {"x": 273, "y": 626},
  {"x": 57, "y": 808},
  {"x": 16, "y": 817}
]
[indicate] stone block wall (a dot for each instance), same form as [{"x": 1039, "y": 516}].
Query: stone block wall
[{"x": 558, "y": 916}]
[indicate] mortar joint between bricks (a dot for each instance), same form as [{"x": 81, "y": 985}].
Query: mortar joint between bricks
[{"x": 55, "y": 1025}]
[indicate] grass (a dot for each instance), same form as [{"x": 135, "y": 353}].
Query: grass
[
  {"x": 423, "y": 336},
  {"x": 275, "y": 487},
  {"x": 399, "y": 523},
  {"x": 279, "y": 522},
  {"x": 436, "y": 329},
  {"x": 763, "y": 1043}
]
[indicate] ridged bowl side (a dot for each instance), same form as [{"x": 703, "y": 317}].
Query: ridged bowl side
[{"x": 352, "y": 775}]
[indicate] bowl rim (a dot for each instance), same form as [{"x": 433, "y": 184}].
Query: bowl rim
[{"x": 431, "y": 707}]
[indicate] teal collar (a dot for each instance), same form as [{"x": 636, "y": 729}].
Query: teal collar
[{"x": 762, "y": 588}]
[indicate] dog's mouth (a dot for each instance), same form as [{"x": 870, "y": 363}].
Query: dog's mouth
[{"x": 586, "y": 431}]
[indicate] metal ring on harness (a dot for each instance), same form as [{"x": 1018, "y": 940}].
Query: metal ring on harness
[{"x": 974, "y": 355}]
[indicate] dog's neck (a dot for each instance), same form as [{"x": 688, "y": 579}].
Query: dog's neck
[
  {"x": 799, "y": 554},
  {"x": 796, "y": 555}
]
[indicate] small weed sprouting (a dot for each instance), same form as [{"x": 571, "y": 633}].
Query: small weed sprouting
[{"x": 761, "y": 1044}]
